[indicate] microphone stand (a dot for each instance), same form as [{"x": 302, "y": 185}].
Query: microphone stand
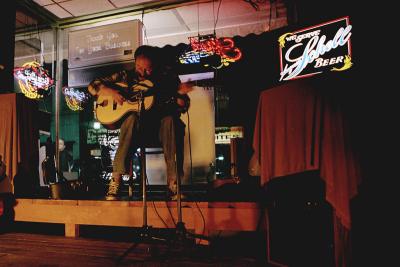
[
  {"x": 182, "y": 236},
  {"x": 146, "y": 232},
  {"x": 143, "y": 174}
]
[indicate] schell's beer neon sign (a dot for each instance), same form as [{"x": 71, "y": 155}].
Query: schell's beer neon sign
[{"x": 310, "y": 51}]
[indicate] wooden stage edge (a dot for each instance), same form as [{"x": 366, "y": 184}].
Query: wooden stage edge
[{"x": 200, "y": 217}]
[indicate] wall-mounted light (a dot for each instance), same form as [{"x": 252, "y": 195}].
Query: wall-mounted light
[{"x": 96, "y": 125}]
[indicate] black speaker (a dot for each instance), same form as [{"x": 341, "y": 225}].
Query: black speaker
[{"x": 300, "y": 220}]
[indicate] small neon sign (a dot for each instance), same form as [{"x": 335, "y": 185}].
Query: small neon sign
[{"x": 74, "y": 98}]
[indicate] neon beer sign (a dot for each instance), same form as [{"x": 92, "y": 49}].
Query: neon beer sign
[
  {"x": 310, "y": 51},
  {"x": 74, "y": 98}
]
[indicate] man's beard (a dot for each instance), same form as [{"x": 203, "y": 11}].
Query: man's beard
[{"x": 145, "y": 76}]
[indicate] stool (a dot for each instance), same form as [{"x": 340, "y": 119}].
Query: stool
[{"x": 153, "y": 148}]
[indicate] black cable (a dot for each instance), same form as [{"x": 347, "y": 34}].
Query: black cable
[
  {"x": 170, "y": 213},
  {"x": 144, "y": 28},
  {"x": 40, "y": 43},
  {"x": 190, "y": 148},
  {"x": 198, "y": 20},
  {"x": 219, "y": 234},
  {"x": 270, "y": 15},
  {"x": 262, "y": 216},
  {"x": 214, "y": 16},
  {"x": 215, "y": 25},
  {"x": 158, "y": 215},
  {"x": 191, "y": 171},
  {"x": 154, "y": 205},
  {"x": 253, "y": 4},
  {"x": 204, "y": 221}
]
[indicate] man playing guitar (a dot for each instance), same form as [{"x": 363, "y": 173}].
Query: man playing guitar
[{"x": 168, "y": 100}]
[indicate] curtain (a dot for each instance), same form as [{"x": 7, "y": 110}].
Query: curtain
[
  {"x": 297, "y": 129},
  {"x": 19, "y": 139}
]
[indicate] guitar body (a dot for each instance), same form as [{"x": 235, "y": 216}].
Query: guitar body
[{"x": 110, "y": 114}]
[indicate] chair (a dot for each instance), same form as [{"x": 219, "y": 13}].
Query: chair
[{"x": 150, "y": 150}]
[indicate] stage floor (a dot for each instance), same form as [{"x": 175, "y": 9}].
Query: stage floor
[
  {"x": 199, "y": 217},
  {"x": 197, "y": 192},
  {"x": 23, "y": 249}
]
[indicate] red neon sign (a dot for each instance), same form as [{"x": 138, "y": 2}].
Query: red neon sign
[{"x": 224, "y": 47}]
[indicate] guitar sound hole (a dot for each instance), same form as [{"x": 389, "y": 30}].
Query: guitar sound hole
[{"x": 103, "y": 104}]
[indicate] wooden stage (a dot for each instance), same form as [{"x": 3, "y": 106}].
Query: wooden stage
[
  {"x": 199, "y": 217},
  {"x": 34, "y": 250}
]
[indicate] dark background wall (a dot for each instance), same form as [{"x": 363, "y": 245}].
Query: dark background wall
[
  {"x": 7, "y": 20},
  {"x": 365, "y": 100}
]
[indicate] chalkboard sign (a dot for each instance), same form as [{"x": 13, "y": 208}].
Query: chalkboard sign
[{"x": 104, "y": 44}]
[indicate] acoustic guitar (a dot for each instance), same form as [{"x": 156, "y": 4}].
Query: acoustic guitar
[{"x": 109, "y": 113}]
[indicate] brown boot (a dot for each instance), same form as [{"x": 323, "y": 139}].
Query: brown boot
[
  {"x": 172, "y": 192},
  {"x": 175, "y": 197},
  {"x": 114, "y": 187}
]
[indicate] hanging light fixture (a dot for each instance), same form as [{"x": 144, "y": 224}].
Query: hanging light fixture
[
  {"x": 33, "y": 80},
  {"x": 210, "y": 50}
]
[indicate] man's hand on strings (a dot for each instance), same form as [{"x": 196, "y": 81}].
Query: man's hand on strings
[{"x": 106, "y": 91}]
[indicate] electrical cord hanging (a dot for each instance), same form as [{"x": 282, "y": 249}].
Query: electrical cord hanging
[
  {"x": 253, "y": 4},
  {"x": 170, "y": 213},
  {"x": 154, "y": 205},
  {"x": 158, "y": 215},
  {"x": 198, "y": 20},
  {"x": 214, "y": 16},
  {"x": 216, "y": 21},
  {"x": 144, "y": 28},
  {"x": 270, "y": 15},
  {"x": 204, "y": 221},
  {"x": 42, "y": 61},
  {"x": 191, "y": 172},
  {"x": 190, "y": 148}
]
